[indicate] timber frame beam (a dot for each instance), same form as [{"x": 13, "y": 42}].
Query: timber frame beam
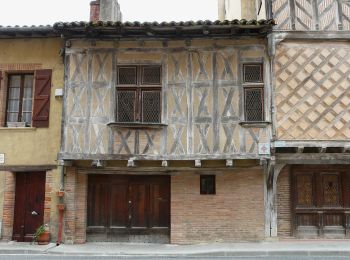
[{"x": 272, "y": 171}]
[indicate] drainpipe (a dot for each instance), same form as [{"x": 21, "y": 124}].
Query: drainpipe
[{"x": 61, "y": 163}]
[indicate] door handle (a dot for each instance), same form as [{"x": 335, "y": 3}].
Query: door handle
[{"x": 34, "y": 213}]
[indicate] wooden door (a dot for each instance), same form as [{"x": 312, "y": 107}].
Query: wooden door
[
  {"x": 29, "y": 205},
  {"x": 321, "y": 201},
  {"x": 128, "y": 208}
]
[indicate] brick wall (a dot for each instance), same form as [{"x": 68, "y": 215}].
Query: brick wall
[
  {"x": 9, "y": 205},
  {"x": 69, "y": 216},
  {"x": 284, "y": 212},
  {"x": 81, "y": 208},
  {"x": 235, "y": 213},
  {"x": 76, "y": 203}
]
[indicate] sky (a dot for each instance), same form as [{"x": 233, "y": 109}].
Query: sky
[{"x": 43, "y": 12}]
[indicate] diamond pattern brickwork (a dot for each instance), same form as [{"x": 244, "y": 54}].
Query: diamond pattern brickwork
[{"x": 313, "y": 91}]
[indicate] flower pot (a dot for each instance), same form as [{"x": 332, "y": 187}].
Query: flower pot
[{"x": 43, "y": 238}]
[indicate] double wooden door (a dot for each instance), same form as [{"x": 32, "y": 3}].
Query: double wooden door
[
  {"x": 128, "y": 208},
  {"x": 29, "y": 205},
  {"x": 321, "y": 198}
]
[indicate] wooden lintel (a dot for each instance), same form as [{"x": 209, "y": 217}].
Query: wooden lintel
[
  {"x": 317, "y": 143},
  {"x": 64, "y": 163},
  {"x": 164, "y": 170},
  {"x": 108, "y": 157},
  {"x": 313, "y": 158},
  {"x": 27, "y": 168}
]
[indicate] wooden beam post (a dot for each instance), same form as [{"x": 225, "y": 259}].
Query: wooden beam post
[{"x": 272, "y": 171}]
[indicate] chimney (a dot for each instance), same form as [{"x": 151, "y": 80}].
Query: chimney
[
  {"x": 110, "y": 11},
  {"x": 239, "y": 9},
  {"x": 95, "y": 11}
]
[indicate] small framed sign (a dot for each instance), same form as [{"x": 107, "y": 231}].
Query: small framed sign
[
  {"x": 2, "y": 158},
  {"x": 264, "y": 148}
]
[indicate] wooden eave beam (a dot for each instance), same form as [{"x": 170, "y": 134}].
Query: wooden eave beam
[{"x": 313, "y": 158}]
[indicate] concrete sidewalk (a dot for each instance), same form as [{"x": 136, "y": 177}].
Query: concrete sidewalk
[{"x": 292, "y": 247}]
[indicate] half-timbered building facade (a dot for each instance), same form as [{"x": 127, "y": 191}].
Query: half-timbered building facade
[
  {"x": 165, "y": 131},
  {"x": 308, "y": 183}
]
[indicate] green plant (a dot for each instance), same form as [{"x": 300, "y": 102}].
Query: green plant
[{"x": 39, "y": 231}]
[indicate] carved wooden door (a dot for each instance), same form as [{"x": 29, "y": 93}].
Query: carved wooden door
[
  {"x": 321, "y": 202},
  {"x": 128, "y": 208},
  {"x": 29, "y": 205}
]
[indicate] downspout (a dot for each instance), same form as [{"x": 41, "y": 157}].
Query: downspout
[{"x": 61, "y": 162}]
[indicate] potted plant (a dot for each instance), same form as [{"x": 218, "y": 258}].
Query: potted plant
[{"x": 42, "y": 235}]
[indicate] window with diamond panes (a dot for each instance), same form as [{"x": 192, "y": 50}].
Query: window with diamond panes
[
  {"x": 253, "y": 88},
  {"x": 253, "y": 73},
  {"x": 151, "y": 106},
  {"x": 151, "y": 75},
  {"x": 139, "y": 94},
  {"x": 126, "y": 105},
  {"x": 254, "y": 104}
]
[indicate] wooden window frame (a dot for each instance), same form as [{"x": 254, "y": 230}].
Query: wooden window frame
[
  {"x": 205, "y": 190},
  {"x": 254, "y": 85},
  {"x": 139, "y": 88},
  {"x": 20, "y": 109}
]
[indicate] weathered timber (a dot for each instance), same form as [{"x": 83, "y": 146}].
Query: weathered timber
[
  {"x": 313, "y": 158},
  {"x": 202, "y": 104}
]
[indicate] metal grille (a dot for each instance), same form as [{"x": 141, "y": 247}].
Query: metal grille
[
  {"x": 127, "y": 76},
  {"x": 254, "y": 104},
  {"x": 304, "y": 190},
  {"x": 331, "y": 190},
  {"x": 253, "y": 73},
  {"x": 151, "y": 106},
  {"x": 151, "y": 75},
  {"x": 126, "y": 106}
]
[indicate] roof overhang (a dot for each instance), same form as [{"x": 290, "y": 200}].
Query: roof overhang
[{"x": 154, "y": 30}]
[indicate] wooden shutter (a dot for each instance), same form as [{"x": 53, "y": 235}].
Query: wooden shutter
[{"x": 42, "y": 91}]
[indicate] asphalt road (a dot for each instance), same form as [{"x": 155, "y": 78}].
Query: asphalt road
[{"x": 52, "y": 257}]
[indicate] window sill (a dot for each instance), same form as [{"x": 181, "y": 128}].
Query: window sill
[
  {"x": 137, "y": 125},
  {"x": 18, "y": 128},
  {"x": 255, "y": 124}
]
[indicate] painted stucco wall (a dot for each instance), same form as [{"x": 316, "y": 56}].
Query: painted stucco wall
[{"x": 32, "y": 146}]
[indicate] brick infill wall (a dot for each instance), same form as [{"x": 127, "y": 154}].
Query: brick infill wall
[{"x": 235, "y": 213}]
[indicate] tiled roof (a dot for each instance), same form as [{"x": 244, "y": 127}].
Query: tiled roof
[
  {"x": 242, "y": 22},
  {"x": 138, "y": 29}
]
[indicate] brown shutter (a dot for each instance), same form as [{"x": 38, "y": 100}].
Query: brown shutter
[
  {"x": 0, "y": 78},
  {"x": 42, "y": 93}
]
